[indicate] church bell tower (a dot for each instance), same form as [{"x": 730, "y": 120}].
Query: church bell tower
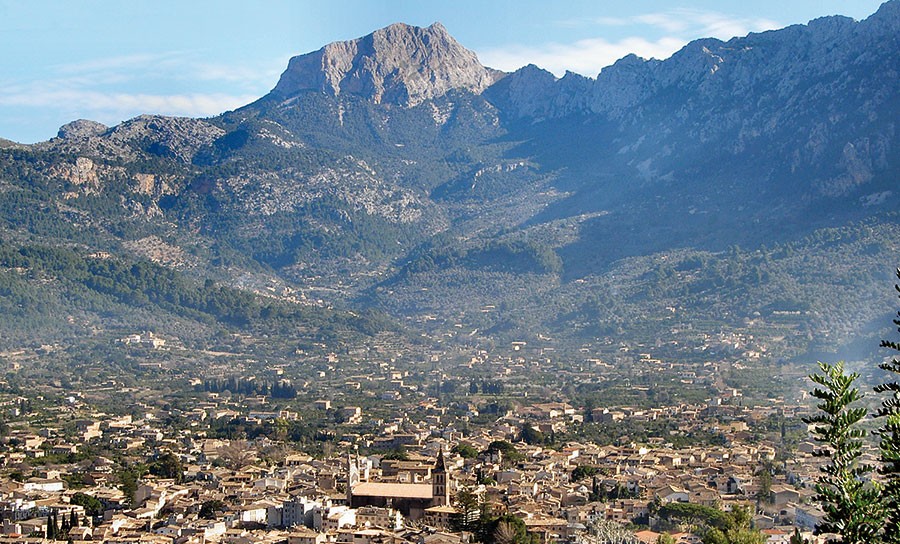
[{"x": 440, "y": 485}]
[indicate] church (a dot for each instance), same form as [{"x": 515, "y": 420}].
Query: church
[{"x": 410, "y": 499}]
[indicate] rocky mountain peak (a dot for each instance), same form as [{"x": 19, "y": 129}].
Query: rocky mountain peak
[
  {"x": 175, "y": 137},
  {"x": 886, "y": 22},
  {"x": 399, "y": 64},
  {"x": 82, "y": 128}
]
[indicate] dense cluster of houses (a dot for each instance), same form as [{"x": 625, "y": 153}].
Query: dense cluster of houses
[{"x": 262, "y": 491}]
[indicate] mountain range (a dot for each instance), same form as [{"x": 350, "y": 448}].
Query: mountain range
[{"x": 736, "y": 189}]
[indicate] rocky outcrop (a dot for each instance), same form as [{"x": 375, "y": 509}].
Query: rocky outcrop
[
  {"x": 179, "y": 138},
  {"x": 176, "y": 137},
  {"x": 154, "y": 185},
  {"x": 400, "y": 64},
  {"x": 82, "y": 172},
  {"x": 82, "y": 128},
  {"x": 536, "y": 93},
  {"x": 9, "y": 144}
]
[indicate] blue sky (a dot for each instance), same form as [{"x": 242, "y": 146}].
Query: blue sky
[{"x": 109, "y": 60}]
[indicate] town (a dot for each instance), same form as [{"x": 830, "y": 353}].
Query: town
[{"x": 385, "y": 446}]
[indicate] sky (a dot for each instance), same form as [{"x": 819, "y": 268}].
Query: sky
[{"x": 110, "y": 60}]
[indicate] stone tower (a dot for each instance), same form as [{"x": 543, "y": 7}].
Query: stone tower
[
  {"x": 352, "y": 475},
  {"x": 440, "y": 483}
]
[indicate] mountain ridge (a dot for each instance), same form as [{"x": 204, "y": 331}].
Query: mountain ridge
[
  {"x": 369, "y": 66},
  {"x": 395, "y": 171},
  {"x": 632, "y": 79}
]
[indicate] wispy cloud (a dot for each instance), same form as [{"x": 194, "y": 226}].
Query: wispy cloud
[
  {"x": 171, "y": 66},
  {"x": 714, "y": 24},
  {"x": 244, "y": 74},
  {"x": 586, "y": 57},
  {"x": 109, "y": 107},
  {"x": 122, "y": 62},
  {"x": 115, "y": 88},
  {"x": 699, "y": 23},
  {"x": 669, "y": 31}
]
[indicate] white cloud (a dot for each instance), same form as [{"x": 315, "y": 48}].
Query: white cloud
[
  {"x": 718, "y": 25},
  {"x": 117, "y": 106},
  {"x": 115, "y": 88},
  {"x": 121, "y": 62},
  {"x": 586, "y": 57},
  {"x": 663, "y": 21},
  {"x": 696, "y": 23},
  {"x": 179, "y": 66},
  {"x": 248, "y": 76},
  {"x": 670, "y": 31}
]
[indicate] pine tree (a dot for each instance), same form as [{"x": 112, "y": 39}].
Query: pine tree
[
  {"x": 852, "y": 507},
  {"x": 467, "y": 505},
  {"x": 889, "y": 440}
]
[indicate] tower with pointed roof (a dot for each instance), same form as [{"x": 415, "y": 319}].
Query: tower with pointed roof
[{"x": 440, "y": 485}]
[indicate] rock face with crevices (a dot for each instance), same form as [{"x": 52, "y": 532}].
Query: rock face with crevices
[
  {"x": 176, "y": 137},
  {"x": 400, "y": 64}
]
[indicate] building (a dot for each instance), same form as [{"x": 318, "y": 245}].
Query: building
[{"x": 410, "y": 499}]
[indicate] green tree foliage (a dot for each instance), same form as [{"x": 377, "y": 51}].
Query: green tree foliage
[
  {"x": 532, "y": 436},
  {"x": 524, "y": 256},
  {"x": 483, "y": 528},
  {"x": 695, "y": 515},
  {"x": 889, "y": 438},
  {"x": 99, "y": 282},
  {"x": 473, "y": 514},
  {"x": 502, "y": 446},
  {"x": 52, "y": 529},
  {"x": 468, "y": 508},
  {"x": 583, "y": 471},
  {"x": 168, "y": 465},
  {"x": 852, "y": 507},
  {"x": 64, "y": 527},
  {"x": 733, "y": 536},
  {"x": 277, "y": 389},
  {"x": 92, "y": 505},
  {"x": 603, "y": 493},
  {"x": 466, "y": 451},
  {"x": 210, "y": 509},
  {"x": 506, "y": 449},
  {"x": 764, "y": 495},
  {"x": 396, "y": 454},
  {"x": 712, "y": 524},
  {"x": 128, "y": 478}
]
